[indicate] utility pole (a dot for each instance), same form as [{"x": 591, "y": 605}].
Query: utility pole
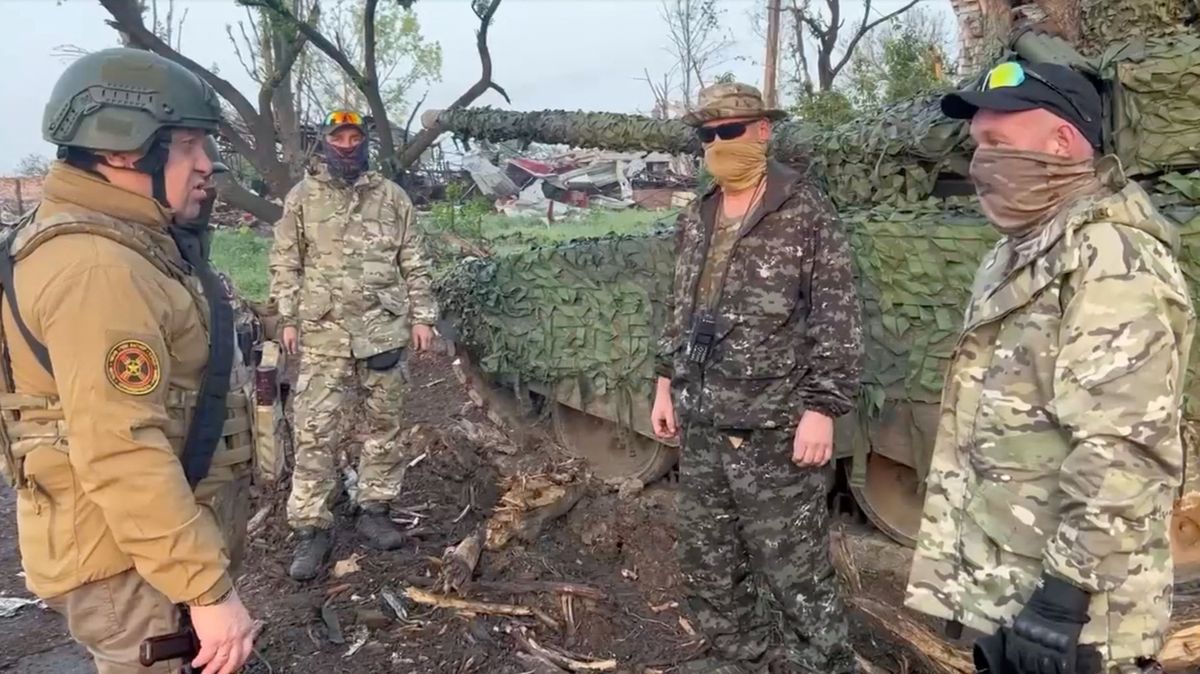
[{"x": 769, "y": 89}]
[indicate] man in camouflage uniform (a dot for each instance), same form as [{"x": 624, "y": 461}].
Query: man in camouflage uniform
[
  {"x": 762, "y": 347},
  {"x": 352, "y": 283},
  {"x": 1058, "y": 452}
]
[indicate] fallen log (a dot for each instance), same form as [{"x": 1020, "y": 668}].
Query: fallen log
[{"x": 935, "y": 655}]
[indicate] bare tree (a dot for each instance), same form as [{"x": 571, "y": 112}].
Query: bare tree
[
  {"x": 662, "y": 95},
  {"x": 827, "y": 35},
  {"x": 367, "y": 80},
  {"x": 251, "y": 130},
  {"x": 697, "y": 41},
  {"x": 33, "y": 166}
]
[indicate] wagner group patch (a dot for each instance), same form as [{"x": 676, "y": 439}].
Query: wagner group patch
[{"x": 132, "y": 367}]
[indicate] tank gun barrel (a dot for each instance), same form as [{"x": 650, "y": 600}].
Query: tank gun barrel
[{"x": 616, "y": 131}]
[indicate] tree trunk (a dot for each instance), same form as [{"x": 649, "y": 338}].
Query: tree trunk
[{"x": 232, "y": 193}]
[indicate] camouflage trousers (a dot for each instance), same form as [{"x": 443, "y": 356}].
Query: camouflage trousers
[
  {"x": 325, "y": 392},
  {"x": 754, "y": 549}
]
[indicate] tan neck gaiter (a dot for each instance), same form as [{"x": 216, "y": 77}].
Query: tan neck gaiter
[
  {"x": 737, "y": 165},
  {"x": 1020, "y": 191}
]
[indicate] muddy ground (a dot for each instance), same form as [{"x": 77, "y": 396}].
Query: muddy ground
[{"x": 618, "y": 546}]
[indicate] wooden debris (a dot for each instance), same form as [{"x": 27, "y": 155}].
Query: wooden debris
[
  {"x": 537, "y": 664},
  {"x": 867, "y": 667},
  {"x": 535, "y": 586},
  {"x": 346, "y": 566},
  {"x": 527, "y": 506},
  {"x": 464, "y": 606},
  {"x": 568, "y": 661},
  {"x": 458, "y": 563},
  {"x": 255, "y": 524},
  {"x": 1182, "y": 650},
  {"x": 935, "y": 655}
]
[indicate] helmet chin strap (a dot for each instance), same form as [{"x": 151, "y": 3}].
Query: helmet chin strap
[{"x": 154, "y": 164}]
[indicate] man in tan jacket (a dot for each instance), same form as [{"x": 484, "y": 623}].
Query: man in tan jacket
[{"x": 125, "y": 508}]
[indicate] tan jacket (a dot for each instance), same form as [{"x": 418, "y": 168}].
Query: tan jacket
[
  {"x": 347, "y": 266},
  {"x": 124, "y": 338}
]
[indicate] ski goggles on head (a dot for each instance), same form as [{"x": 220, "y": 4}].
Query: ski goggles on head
[
  {"x": 343, "y": 118},
  {"x": 1013, "y": 74}
]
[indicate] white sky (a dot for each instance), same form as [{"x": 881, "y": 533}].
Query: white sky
[{"x": 569, "y": 54}]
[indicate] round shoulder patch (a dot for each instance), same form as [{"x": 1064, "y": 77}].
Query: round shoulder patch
[{"x": 133, "y": 368}]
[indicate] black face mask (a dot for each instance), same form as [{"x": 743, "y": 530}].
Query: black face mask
[
  {"x": 347, "y": 165},
  {"x": 194, "y": 238}
]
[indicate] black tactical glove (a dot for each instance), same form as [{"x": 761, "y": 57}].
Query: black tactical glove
[{"x": 1045, "y": 636}]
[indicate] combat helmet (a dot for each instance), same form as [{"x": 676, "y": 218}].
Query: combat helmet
[{"x": 126, "y": 100}]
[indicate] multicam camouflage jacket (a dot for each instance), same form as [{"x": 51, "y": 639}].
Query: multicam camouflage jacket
[
  {"x": 786, "y": 315},
  {"x": 1059, "y": 445},
  {"x": 347, "y": 266}
]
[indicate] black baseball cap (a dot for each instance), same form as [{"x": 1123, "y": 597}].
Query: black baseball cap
[{"x": 1014, "y": 86}]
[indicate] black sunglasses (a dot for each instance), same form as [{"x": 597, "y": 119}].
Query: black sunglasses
[{"x": 728, "y": 131}]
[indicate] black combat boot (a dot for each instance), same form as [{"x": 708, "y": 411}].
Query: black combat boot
[
  {"x": 379, "y": 529},
  {"x": 312, "y": 550}
]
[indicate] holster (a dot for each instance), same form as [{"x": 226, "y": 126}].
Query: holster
[{"x": 382, "y": 362}]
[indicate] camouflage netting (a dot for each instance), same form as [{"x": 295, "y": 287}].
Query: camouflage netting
[
  {"x": 914, "y": 266},
  {"x": 586, "y": 313},
  {"x": 1109, "y": 21},
  {"x": 1157, "y": 102}
]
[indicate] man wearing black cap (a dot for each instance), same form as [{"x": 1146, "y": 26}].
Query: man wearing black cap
[{"x": 1059, "y": 452}]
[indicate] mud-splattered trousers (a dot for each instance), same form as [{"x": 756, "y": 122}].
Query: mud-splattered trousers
[{"x": 754, "y": 549}]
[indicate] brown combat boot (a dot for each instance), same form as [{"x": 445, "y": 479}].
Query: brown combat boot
[{"x": 379, "y": 529}]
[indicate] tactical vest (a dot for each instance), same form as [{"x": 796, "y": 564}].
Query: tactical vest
[{"x": 18, "y": 437}]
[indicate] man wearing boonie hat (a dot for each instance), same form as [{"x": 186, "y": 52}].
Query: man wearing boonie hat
[
  {"x": 1059, "y": 454},
  {"x": 354, "y": 290},
  {"x": 761, "y": 352}
]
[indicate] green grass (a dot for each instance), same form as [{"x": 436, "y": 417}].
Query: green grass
[{"x": 242, "y": 255}]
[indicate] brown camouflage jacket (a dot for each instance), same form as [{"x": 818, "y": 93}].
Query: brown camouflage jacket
[
  {"x": 347, "y": 266},
  {"x": 1059, "y": 446},
  {"x": 786, "y": 314}
]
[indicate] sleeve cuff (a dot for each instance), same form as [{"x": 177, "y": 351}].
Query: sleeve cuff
[
  {"x": 215, "y": 595},
  {"x": 424, "y": 317}
]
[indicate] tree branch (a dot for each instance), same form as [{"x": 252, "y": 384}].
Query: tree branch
[
  {"x": 243, "y": 199},
  {"x": 412, "y": 151},
  {"x": 318, "y": 40},
  {"x": 868, "y": 27},
  {"x": 411, "y": 117},
  {"x": 127, "y": 18}
]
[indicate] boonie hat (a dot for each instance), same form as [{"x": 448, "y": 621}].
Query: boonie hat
[{"x": 727, "y": 100}]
